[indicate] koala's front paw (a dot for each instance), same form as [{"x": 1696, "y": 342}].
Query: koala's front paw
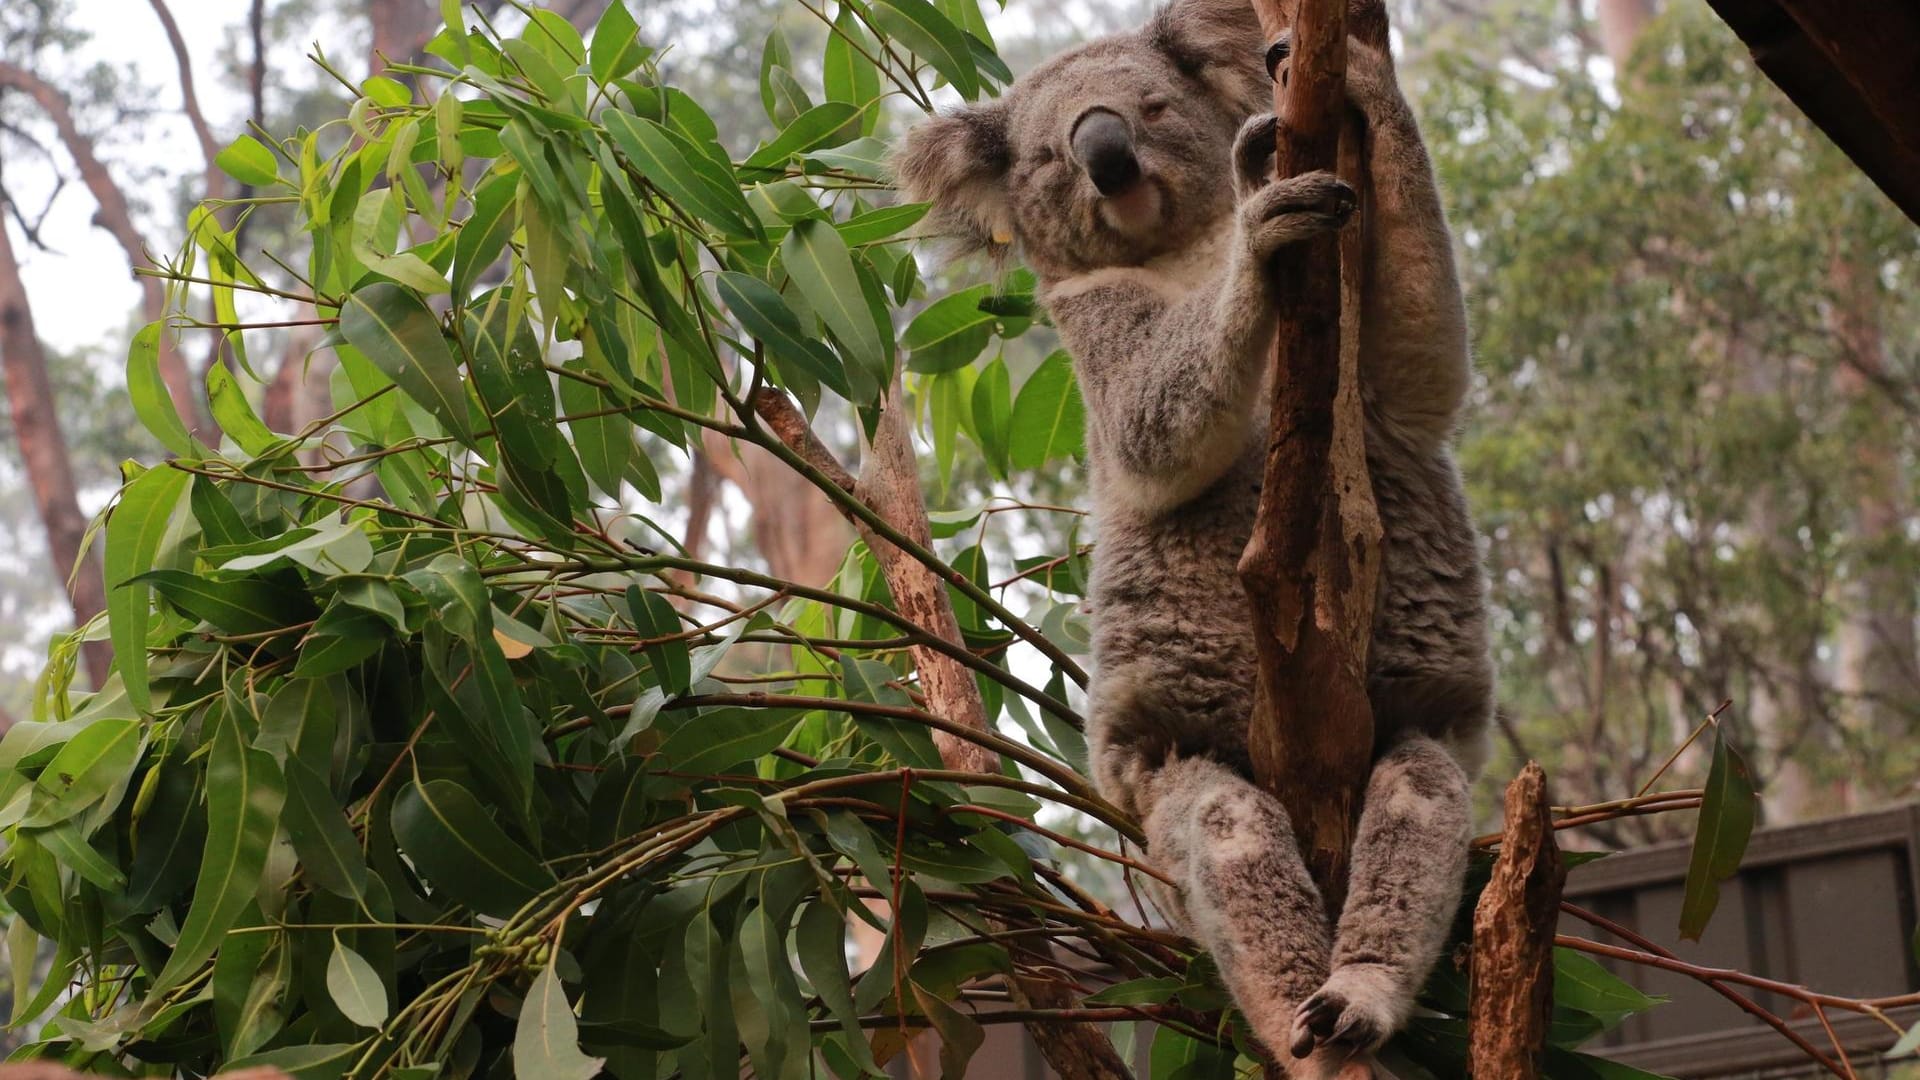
[
  {"x": 1357, "y": 1009},
  {"x": 1294, "y": 209},
  {"x": 1253, "y": 154}
]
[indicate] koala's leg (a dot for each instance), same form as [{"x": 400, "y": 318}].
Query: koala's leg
[
  {"x": 1241, "y": 889},
  {"x": 1413, "y": 327},
  {"x": 1409, "y": 859}
]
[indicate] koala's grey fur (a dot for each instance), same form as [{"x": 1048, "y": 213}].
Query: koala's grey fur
[{"x": 1163, "y": 299}]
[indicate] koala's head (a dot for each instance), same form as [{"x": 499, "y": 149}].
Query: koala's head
[{"x": 1106, "y": 154}]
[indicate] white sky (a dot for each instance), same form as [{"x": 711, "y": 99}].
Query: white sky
[{"x": 82, "y": 292}]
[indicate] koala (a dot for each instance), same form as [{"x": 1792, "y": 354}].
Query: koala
[{"x": 1132, "y": 174}]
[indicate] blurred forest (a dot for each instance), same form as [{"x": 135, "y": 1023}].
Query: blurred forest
[{"x": 1691, "y": 448}]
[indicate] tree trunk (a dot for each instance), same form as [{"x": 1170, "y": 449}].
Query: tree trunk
[
  {"x": 1312, "y": 563},
  {"x": 115, "y": 217},
  {"x": 43, "y": 452}
]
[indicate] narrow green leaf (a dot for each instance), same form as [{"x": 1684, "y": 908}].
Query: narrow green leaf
[
  {"x": 1049, "y": 420},
  {"x": 603, "y": 441},
  {"x": 846, "y": 71},
  {"x": 248, "y": 160},
  {"x": 327, "y": 848},
  {"x": 484, "y": 235},
  {"x": 654, "y": 618},
  {"x": 766, "y": 315},
  {"x": 933, "y": 38},
  {"x": 152, "y": 402},
  {"x": 676, "y": 167},
  {"x": 459, "y": 848},
  {"x": 875, "y": 225},
  {"x": 816, "y": 258},
  {"x": 546, "y": 1040},
  {"x": 94, "y": 762},
  {"x": 134, "y": 532},
  {"x": 401, "y": 335},
  {"x": 244, "y": 796},
  {"x": 719, "y": 738},
  {"x": 950, "y": 333},
  {"x": 616, "y": 49},
  {"x": 237, "y": 606},
  {"x": 1720, "y": 838},
  {"x": 814, "y": 128},
  {"x": 355, "y": 987},
  {"x": 822, "y": 945},
  {"x": 993, "y": 414}
]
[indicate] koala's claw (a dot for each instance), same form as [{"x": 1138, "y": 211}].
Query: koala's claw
[
  {"x": 1278, "y": 52},
  {"x": 1356, "y": 1017},
  {"x": 1253, "y": 152},
  {"x": 1295, "y": 209}
]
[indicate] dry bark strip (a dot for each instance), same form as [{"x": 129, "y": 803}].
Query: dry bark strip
[
  {"x": 1510, "y": 988},
  {"x": 1311, "y": 566}
]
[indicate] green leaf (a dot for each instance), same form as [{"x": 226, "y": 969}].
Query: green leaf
[
  {"x": 679, "y": 169},
  {"x": 814, "y": 128},
  {"x": 875, "y": 225},
  {"x": 244, "y": 795},
  {"x": 847, "y": 73},
  {"x": 546, "y": 1040},
  {"x": 355, "y": 987},
  {"x": 719, "y": 738},
  {"x": 1580, "y": 982},
  {"x": 484, "y": 235},
  {"x": 399, "y": 333},
  {"x": 1908, "y": 1043},
  {"x": 74, "y": 853},
  {"x": 1720, "y": 838},
  {"x": 950, "y": 333},
  {"x": 152, "y": 402},
  {"x": 767, "y": 316},
  {"x": 248, "y": 160},
  {"x": 236, "y": 606},
  {"x": 91, "y": 764},
  {"x": 327, "y": 848},
  {"x": 993, "y": 414},
  {"x": 134, "y": 532},
  {"x": 1144, "y": 991},
  {"x": 821, "y": 942},
  {"x": 816, "y": 258},
  {"x": 605, "y": 441},
  {"x": 654, "y": 618},
  {"x": 616, "y": 49},
  {"x": 1048, "y": 419},
  {"x": 773, "y": 54},
  {"x": 458, "y": 848},
  {"x": 933, "y": 38}
]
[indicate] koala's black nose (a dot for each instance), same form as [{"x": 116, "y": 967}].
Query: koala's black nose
[{"x": 1103, "y": 145}]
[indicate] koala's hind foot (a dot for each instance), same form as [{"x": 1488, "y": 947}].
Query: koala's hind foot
[
  {"x": 1295, "y": 209},
  {"x": 1409, "y": 859}
]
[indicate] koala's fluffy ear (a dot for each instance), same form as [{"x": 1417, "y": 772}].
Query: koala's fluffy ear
[
  {"x": 1220, "y": 43},
  {"x": 958, "y": 162}
]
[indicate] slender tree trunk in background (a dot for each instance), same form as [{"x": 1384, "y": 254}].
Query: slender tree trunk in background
[
  {"x": 400, "y": 29},
  {"x": 43, "y": 451},
  {"x": 795, "y": 528},
  {"x": 117, "y": 218},
  {"x": 1879, "y": 665},
  {"x": 1621, "y": 22}
]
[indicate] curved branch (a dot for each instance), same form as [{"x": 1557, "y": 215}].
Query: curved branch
[{"x": 116, "y": 217}]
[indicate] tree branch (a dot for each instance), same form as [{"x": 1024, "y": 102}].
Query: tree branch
[
  {"x": 216, "y": 183},
  {"x": 117, "y": 218}
]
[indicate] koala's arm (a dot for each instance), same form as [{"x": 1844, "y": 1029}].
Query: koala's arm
[
  {"x": 1170, "y": 385},
  {"x": 1413, "y": 329},
  {"x": 1170, "y": 373}
]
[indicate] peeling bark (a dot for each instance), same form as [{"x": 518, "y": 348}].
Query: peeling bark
[{"x": 1510, "y": 992}]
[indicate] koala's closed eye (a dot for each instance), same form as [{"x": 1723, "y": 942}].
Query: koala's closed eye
[
  {"x": 1153, "y": 109},
  {"x": 1042, "y": 155}
]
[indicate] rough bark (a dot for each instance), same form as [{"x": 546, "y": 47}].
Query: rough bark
[
  {"x": 116, "y": 217},
  {"x": 43, "y": 452},
  {"x": 1311, "y": 565},
  {"x": 1510, "y": 992}
]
